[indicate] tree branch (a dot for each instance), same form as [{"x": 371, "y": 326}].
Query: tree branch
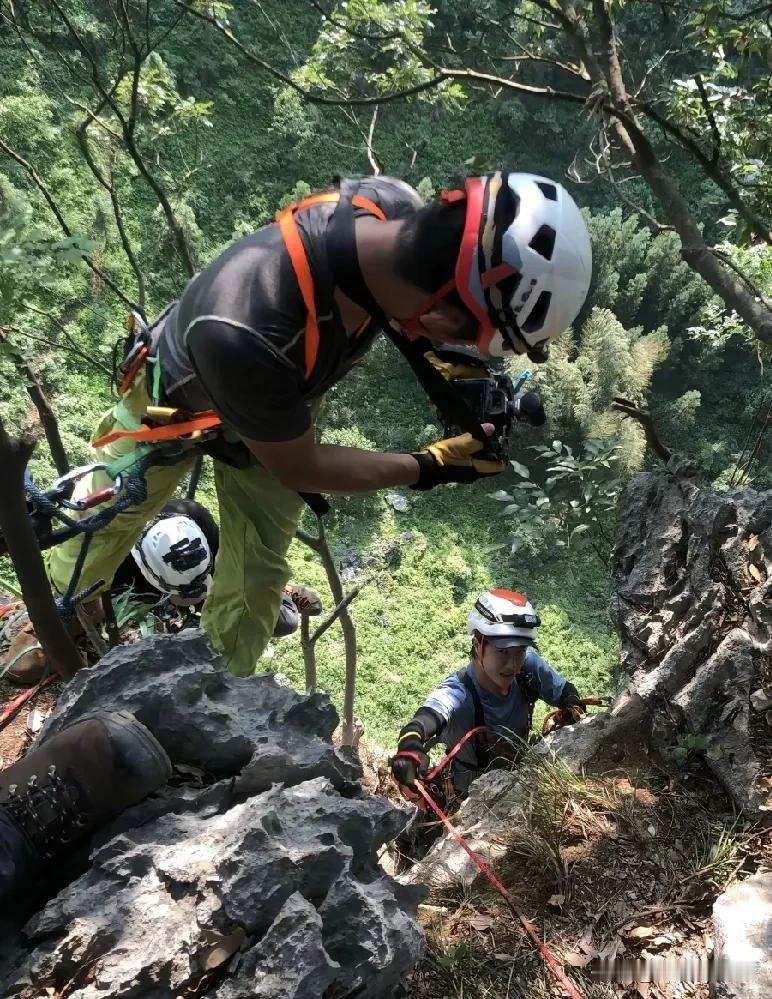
[
  {"x": 333, "y": 616},
  {"x": 320, "y": 546},
  {"x": 38, "y": 182},
  {"x": 629, "y": 409},
  {"x": 24, "y": 550},
  {"x": 308, "y": 95},
  {"x": 45, "y": 412},
  {"x": 386, "y": 36},
  {"x": 370, "y": 154},
  {"x": 710, "y": 116},
  {"x": 712, "y": 169},
  {"x": 127, "y": 132},
  {"x": 82, "y": 137}
]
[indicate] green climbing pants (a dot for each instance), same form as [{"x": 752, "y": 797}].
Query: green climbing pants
[{"x": 258, "y": 519}]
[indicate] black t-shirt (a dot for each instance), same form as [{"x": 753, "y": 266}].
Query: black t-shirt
[{"x": 235, "y": 341}]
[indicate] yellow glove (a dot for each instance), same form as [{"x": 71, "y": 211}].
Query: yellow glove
[
  {"x": 453, "y": 460},
  {"x": 450, "y": 371}
]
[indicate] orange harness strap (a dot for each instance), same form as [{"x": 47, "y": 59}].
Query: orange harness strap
[
  {"x": 297, "y": 254},
  {"x": 198, "y": 423},
  {"x": 131, "y": 374},
  {"x": 208, "y": 420}
]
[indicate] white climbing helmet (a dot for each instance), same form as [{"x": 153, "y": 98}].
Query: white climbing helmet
[
  {"x": 525, "y": 261},
  {"x": 174, "y": 556},
  {"x": 505, "y": 618}
]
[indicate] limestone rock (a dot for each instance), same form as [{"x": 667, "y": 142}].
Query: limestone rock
[
  {"x": 742, "y": 925},
  {"x": 262, "y": 884},
  {"x": 203, "y": 715},
  {"x": 159, "y": 896},
  {"x": 290, "y": 962},
  {"x": 695, "y": 630},
  {"x": 493, "y": 807}
]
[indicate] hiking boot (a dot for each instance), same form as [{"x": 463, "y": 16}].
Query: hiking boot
[
  {"x": 64, "y": 789},
  {"x": 304, "y": 598},
  {"x": 23, "y": 661}
]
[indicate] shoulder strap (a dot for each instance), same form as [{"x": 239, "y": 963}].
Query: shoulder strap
[
  {"x": 341, "y": 250},
  {"x": 481, "y": 746},
  {"x": 468, "y": 682},
  {"x": 530, "y": 688}
]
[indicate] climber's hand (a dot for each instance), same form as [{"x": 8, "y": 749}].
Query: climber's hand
[
  {"x": 571, "y": 713},
  {"x": 411, "y": 760},
  {"x": 455, "y": 459}
]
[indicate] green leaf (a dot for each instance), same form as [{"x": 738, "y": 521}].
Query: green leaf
[{"x": 521, "y": 470}]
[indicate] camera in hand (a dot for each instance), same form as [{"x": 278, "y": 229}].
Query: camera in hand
[{"x": 494, "y": 399}]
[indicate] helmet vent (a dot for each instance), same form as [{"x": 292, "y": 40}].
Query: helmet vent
[
  {"x": 549, "y": 191},
  {"x": 538, "y": 314},
  {"x": 544, "y": 241}
]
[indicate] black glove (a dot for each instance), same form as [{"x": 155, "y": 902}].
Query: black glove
[
  {"x": 453, "y": 460},
  {"x": 411, "y": 760}
]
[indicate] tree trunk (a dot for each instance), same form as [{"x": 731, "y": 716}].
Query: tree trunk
[
  {"x": 320, "y": 546},
  {"x": 602, "y": 59},
  {"x": 28, "y": 563},
  {"x": 48, "y": 421},
  {"x": 309, "y": 654}
]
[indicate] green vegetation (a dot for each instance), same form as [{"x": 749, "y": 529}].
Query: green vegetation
[{"x": 197, "y": 144}]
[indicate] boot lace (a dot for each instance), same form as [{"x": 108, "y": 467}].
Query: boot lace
[{"x": 48, "y": 812}]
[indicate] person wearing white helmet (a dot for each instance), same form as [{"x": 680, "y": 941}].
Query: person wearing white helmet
[
  {"x": 282, "y": 315},
  {"x": 175, "y": 555},
  {"x": 522, "y": 269},
  {"x": 495, "y": 690}
]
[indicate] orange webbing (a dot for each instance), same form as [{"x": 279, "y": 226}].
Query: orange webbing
[
  {"x": 206, "y": 420},
  {"x": 131, "y": 374},
  {"x": 297, "y": 255}
]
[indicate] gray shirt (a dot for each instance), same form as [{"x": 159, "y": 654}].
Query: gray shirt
[{"x": 235, "y": 341}]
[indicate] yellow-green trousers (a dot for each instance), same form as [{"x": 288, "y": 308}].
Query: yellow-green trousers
[{"x": 258, "y": 518}]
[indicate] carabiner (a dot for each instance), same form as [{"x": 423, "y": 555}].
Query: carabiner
[{"x": 71, "y": 477}]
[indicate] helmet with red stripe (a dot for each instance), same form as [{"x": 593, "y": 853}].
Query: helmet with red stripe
[
  {"x": 504, "y": 617},
  {"x": 524, "y": 263}
]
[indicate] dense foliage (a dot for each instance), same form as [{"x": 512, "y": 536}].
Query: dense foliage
[{"x": 147, "y": 136}]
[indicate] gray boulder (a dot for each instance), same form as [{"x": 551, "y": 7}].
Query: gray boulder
[
  {"x": 264, "y": 883},
  {"x": 692, "y": 601},
  {"x": 742, "y": 926},
  {"x": 202, "y": 715}
]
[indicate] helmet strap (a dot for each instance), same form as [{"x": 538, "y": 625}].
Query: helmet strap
[{"x": 413, "y": 326}]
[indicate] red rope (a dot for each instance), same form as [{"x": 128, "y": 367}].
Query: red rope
[
  {"x": 458, "y": 746},
  {"x": 549, "y": 958},
  {"x": 14, "y": 706}
]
